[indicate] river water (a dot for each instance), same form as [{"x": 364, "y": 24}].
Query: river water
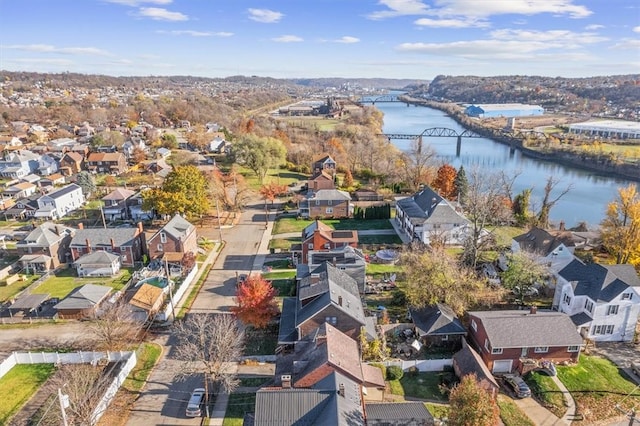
[{"x": 585, "y": 202}]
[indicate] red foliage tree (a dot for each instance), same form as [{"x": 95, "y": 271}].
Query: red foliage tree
[
  {"x": 256, "y": 302},
  {"x": 271, "y": 191},
  {"x": 444, "y": 182}
]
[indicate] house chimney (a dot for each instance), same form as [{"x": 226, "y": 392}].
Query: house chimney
[
  {"x": 113, "y": 244},
  {"x": 340, "y": 300},
  {"x": 81, "y": 225},
  {"x": 140, "y": 228},
  {"x": 533, "y": 310},
  {"x": 341, "y": 389},
  {"x": 88, "y": 243},
  {"x": 562, "y": 225},
  {"x": 286, "y": 381}
]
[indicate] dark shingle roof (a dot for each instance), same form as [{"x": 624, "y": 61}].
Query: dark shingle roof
[
  {"x": 580, "y": 319},
  {"x": 428, "y": 206},
  {"x": 100, "y": 237},
  {"x": 468, "y": 361},
  {"x": 436, "y": 319},
  {"x": 287, "y": 332},
  {"x": 541, "y": 242},
  {"x": 599, "y": 282},
  {"x": 63, "y": 191}
]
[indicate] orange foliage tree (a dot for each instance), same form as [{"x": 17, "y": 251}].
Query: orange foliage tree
[
  {"x": 271, "y": 191},
  {"x": 444, "y": 182},
  {"x": 256, "y": 302}
]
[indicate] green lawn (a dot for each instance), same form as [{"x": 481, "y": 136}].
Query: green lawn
[
  {"x": 597, "y": 385},
  {"x": 286, "y": 225},
  {"x": 10, "y": 291},
  {"x": 378, "y": 269},
  {"x": 279, "y": 264},
  {"x": 438, "y": 411},
  {"x": 261, "y": 341},
  {"x": 379, "y": 239},
  {"x": 285, "y": 287},
  {"x": 283, "y": 243},
  {"x": 239, "y": 404},
  {"x": 64, "y": 281},
  {"x": 19, "y": 384},
  {"x": 511, "y": 414},
  {"x": 279, "y": 275},
  {"x": 147, "y": 356},
  {"x": 254, "y": 381},
  {"x": 421, "y": 385},
  {"x": 546, "y": 392}
]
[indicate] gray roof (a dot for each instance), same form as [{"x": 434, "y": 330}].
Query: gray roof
[
  {"x": 599, "y": 282},
  {"x": 580, "y": 319},
  {"x": 287, "y": 332},
  {"x": 63, "y": 191},
  {"x": 29, "y": 302},
  {"x": 329, "y": 194},
  {"x": 100, "y": 237},
  {"x": 87, "y": 296},
  {"x": 118, "y": 194},
  {"x": 397, "y": 413},
  {"x": 45, "y": 235},
  {"x": 517, "y": 329},
  {"x": 428, "y": 206},
  {"x": 542, "y": 242},
  {"x": 99, "y": 257},
  {"x": 177, "y": 227},
  {"x": 438, "y": 319},
  {"x": 468, "y": 361}
]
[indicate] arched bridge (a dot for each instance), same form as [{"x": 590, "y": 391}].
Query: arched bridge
[
  {"x": 373, "y": 99},
  {"x": 436, "y": 132}
]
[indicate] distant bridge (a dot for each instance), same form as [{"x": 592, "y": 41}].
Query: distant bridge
[{"x": 377, "y": 99}]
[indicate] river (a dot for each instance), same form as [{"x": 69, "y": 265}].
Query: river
[{"x": 585, "y": 202}]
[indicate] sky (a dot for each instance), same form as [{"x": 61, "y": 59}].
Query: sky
[{"x": 412, "y": 39}]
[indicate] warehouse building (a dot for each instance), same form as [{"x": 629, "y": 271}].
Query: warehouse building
[
  {"x": 619, "y": 129},
  {"x": 503, "y": 110}
]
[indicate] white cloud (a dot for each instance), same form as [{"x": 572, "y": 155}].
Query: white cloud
[
  {"x": 627, "y": 44},
  {"x": 193, "y": 33},
  {"x": 451, "y": 23},
  {"x": 265, "y": 16},
  {"x": 47, "y": 48},
  {"x": 134, "y": 3},
  {"x": 399, "y": 8},
  {"x": 636, "y": 29},
  {"x": 564, "y": 37},
  {"x": 51, "y": 61},
  {"x": 161, "y": 14},
  {"x": 594, "y": 27},
  {"x": 288, "y": 39},
  {"x": 347, "y": 40}
]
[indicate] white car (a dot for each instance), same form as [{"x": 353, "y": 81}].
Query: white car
[{"x": 193, "y": 406}]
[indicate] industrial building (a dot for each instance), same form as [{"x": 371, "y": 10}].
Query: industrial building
[
  {"x": 608, "y": 128},
  {"x": 503, "y": 110}
]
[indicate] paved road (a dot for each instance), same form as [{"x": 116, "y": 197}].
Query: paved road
[{"x": 69, "y": 334}]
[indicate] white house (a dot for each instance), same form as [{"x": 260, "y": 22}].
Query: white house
[
  {"x": 58, "y": 203},
  {"x": 553, "y": 251},
  {"x": 603, "y": 301},
  {"x": 426, "y": 216},
  {"x": 47, "y": 165},
  {"x": 98, "y": 264}
]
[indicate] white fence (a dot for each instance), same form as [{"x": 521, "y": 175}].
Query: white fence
[
  {"x": 94, "y": 358},
  {"x": 167, "y": 312},
  {"x": 422, "y": 364}
]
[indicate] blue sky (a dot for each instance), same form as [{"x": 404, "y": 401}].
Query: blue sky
[{"x": 322, "y": 38}]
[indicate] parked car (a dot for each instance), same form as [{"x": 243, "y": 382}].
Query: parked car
[
  {"x": 517, "y": 385},
  {"x": 529, "y": 292},
  {"x": 193, "y": 406}
]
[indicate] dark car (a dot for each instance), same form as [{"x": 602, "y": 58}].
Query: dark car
[{"x": 517, "y": 385}]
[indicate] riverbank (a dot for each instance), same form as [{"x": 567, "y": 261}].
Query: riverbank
[{"x": 600, "y": 164}]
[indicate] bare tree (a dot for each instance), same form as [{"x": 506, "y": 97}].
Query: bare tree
[
  {"x": 547, "y": 202},
  {"x": 419, "y": 164},
  {"x": 209, "y": 343},
  {"x": 116, "y": 327}
]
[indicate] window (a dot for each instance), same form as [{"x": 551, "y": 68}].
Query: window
[
  {"x": 445, "y": 337},
  {"x": 332, "y": 320},
  {"x": 627, "y": 296},
  {"x": 329, "y": 210},
  {"x": 311, "y": 246},
  {"x": 541, "y": 349},
  {"x": 602, "y": 329},
  {"x": 159, "y": 247},
  {"x": 329, "y": 202},
  {"x": 573, "y": 349},
  {"x": 612, "y": 310},
  {"x": 566, "y": 299},
  {"x": 496, "y": 351},
  {"x": 474, "y": 325},
  {"x": 486, "y": 345},
  {"x": 163, "y": 237},
  {"x": 317, "y": 202},
  {"x": 588, "y": 305}
]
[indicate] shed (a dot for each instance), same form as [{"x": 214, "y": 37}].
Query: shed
[
  {"x": 83, "y": 301},
  {"x": 28, "y": 303}
]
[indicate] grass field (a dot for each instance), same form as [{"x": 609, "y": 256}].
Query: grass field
[
  {"x": 546, "y": 392},
  {"x": 421, "y": 385},
  {"x": 64, "y": 281},
  {"x": 511, "y": 414},
  {"x": 239, "y": 404},
  {"x": 10, "y": 291},
  {"x": 287, "y": 224},
  {"x": 19, "y": 384}
]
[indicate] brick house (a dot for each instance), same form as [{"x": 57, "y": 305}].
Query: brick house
[
  {"x": 128, "y": 243},
  {"x": 510, "y": 340},
  {"x": 321, "y": 180},
  {"x": 320, "y": 237},
  {"x": 324, "y": 163},
  {"x": 326, "y": 203},
  {"x": 45, "y": 248},
  {"x": 71, "y": 163},
  {"x": 177, "y": 236},
  {"x": 107, "y": 162}
]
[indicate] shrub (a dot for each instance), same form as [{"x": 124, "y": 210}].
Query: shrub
[
  {"x": 394, "y": 372},
  {"x": 413, "y": 371}
]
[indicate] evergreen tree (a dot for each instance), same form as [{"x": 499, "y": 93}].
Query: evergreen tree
[{"x": 461, "y": 184}]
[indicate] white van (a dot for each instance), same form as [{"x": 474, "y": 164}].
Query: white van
[{"x": 193, "y": 406}]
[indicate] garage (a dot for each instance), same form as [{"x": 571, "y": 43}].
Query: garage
[{"x": 502, "y": 366}]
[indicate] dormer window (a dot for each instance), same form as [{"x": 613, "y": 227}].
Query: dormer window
[{"x": 627, "y": 296}]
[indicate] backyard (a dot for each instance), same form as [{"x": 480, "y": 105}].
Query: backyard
[
  {"x": 64, "y": 281},
  {"x": 423, "y": 385},
  {"x": 239, "y": 404},
  {"x": 287, "y": 225},
  {"x": 19, "y": 384}
]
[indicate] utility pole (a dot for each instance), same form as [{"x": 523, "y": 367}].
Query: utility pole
[
  {"x": 219, "y": 222},
  {"x": 62, "y": 399}
]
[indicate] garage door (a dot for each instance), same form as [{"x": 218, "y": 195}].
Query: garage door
[{"x": 503, "y": 366}]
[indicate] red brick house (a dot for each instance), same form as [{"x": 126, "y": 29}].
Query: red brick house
[
  {"x": 326, "y": 203},
  {"x": 319, "y": 236},
  {"x": 324, "y": 163},
  {"x": 321, "y": 180},
  {"x": 107, "y": 162},
  {"x": 128, "y": 243},
  {"x": 71, "y": 163},
  {"x": 45, "y": 247},
  {"x": 509, "y": 340},
  {"x": 177, "y": 236}
]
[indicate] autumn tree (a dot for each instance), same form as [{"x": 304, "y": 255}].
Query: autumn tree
[
  {"x": 256, "y": 304},
  {"x": 621, "y": 226},
  {"x": 116, "y": 327},
  {"x": 471, "y": 405},
  {"x": 444, "y": 182},
  {"x": 138, "y": 155},
  {"x": 183, "y": 191},
  {"x": 348, "y": 179},
  {"x": 417, "y": 164},
  {"x": 271, "y": 191},
  {"x": 548, "y": 201},
  {"x": 208, "y": 344},
  {"x": 434, "y": 276},
  {"x": 259, "y": 154},
  {"x": 521, "y": 207},
  {"x": 523, "y": 272}
]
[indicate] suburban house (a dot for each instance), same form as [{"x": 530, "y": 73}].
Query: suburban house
[
  {"x": 326, "y": 295},
  {"x": 47, "y": 165},
  {"x": 320, "y": 237},
  {"x": 323, "y": 351},
  {"x": 115, "y": 204},
  {"x": 398, "y": 414},
  {"x": 18, "y": 164},
  {"x": 177, "y": 236},
  {"x": 136, "y": 212},
  {"x": 217, "y": 145},
  {"x": 324, "y": 163},
  {"x": 321, "y": 180},
  {"x": 326, "y": 203},
  {"x": 130, "y": 146},
  {"x": 20, "y": 190},
  {"x": 128, "y": 243},
  {"x": 346, "y": 258},
  {"x": 58, "y": 203},
  {"x": 426, "y": 216},
  {"x": 71, "y": 163},
  {"x": 107, "y": 162},
  {"x": 82, "y": 302},
  {"x": 437, "y": 325},
  {"x": 603, "y": 301},
  {"x": 554, "y": 251},
  {"x": 45, "y": 248},
  {"x": 467, "y": 361},
  {"x": 509, "y": 340},
  {"x": 98, "y": 264},
  {"x": 23, "y": 208},
  {"x": 55, "y": 179}
]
